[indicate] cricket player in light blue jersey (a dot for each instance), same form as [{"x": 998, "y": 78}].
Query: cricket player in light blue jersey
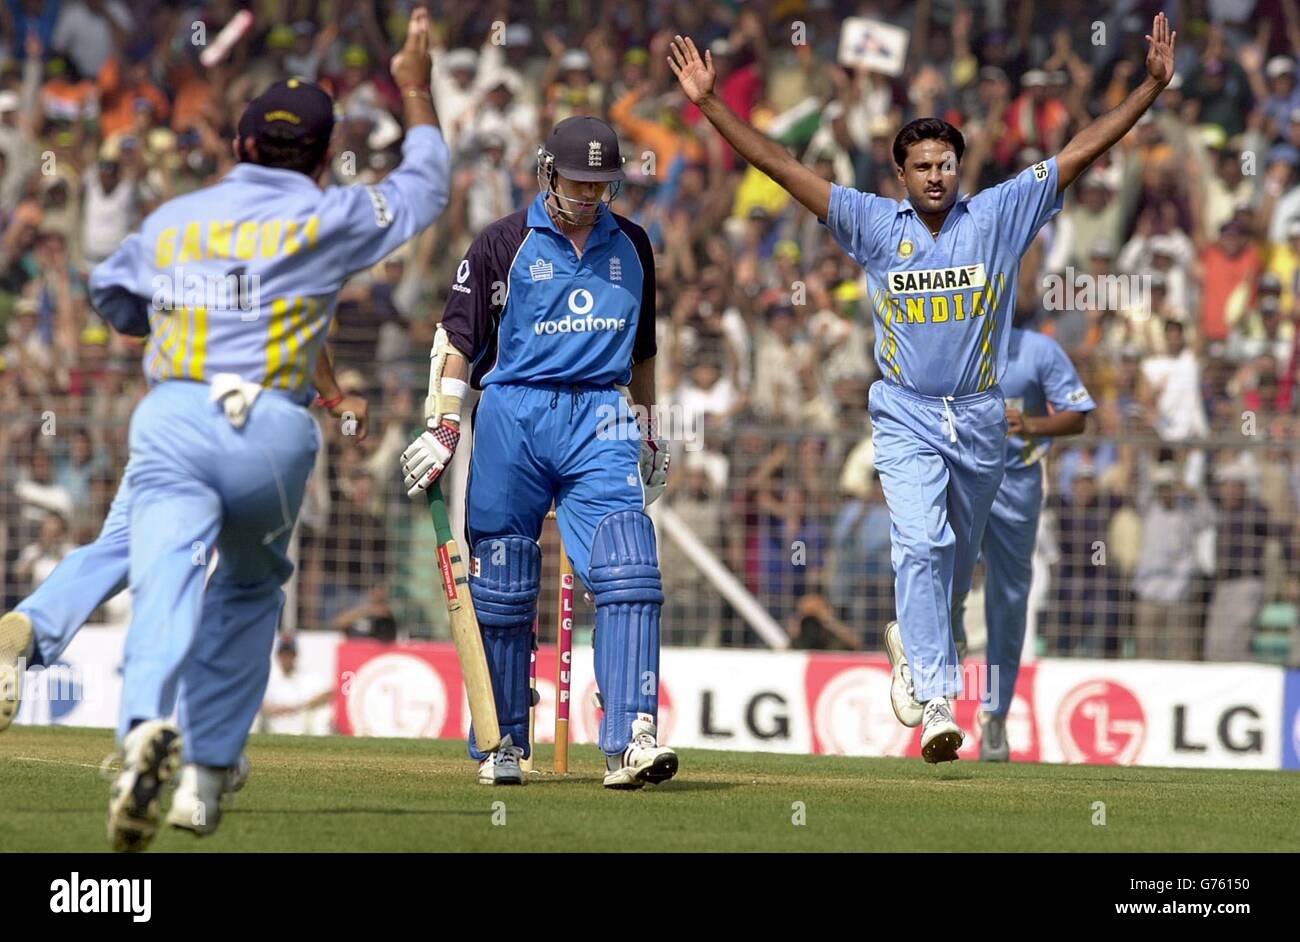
[
  {"x": 1038, "y": 373},
  {"x": 222, "y": 445},
  {"x": 941, "y": 274}
]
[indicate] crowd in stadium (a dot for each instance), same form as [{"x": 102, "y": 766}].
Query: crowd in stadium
[{"x": 765, "y": 335}]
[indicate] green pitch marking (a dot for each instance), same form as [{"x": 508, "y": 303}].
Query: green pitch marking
[{"x": 345, "y": 794}]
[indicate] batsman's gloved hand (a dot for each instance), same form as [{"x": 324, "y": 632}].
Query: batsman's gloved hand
[
  {"x": 654, "y": 462},
  {"x": 426, "y": 457}
]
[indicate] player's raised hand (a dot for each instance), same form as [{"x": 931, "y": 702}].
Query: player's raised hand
[
  {"x": 1160, "y": 53},
  {"x": 413, "y": 65},
  {"x": 696, "y": 74}
]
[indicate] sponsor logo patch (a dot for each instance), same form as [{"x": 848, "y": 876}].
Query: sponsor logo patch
[
  {"x": 541, "y": 270},
  {"x": 937, "y": 280},
  {"x": 462, "y": 275},
  {"x": 579, "y": 325},
  {"x": 383, "y": 216}
]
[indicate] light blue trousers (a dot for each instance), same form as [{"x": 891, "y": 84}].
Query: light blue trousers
[
  {"x": 940, "y": 463},
  {"x": 197, "y": 484}
]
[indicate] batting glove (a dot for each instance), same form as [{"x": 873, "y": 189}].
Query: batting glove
[
  {"x": 426, "y": 458},
  {"x": 654, "y": 464}
]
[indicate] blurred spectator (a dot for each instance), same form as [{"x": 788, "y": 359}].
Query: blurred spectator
[
  {"x": 124, "y": 87},
  {"x": 1172, "y": 386},
  {"x": 293, "y": 701},
  {"x": 1166, "y": 623},
  {"x": 1263, "y": 331},
  {"x": 483, "y": 191},
  {"x": 110, "y": 203},
  {"x": 779, "y": 357},
  {"x": 38, "y": 559},
  {"x": 692, "y": 608},
  {"x": 356, "y": 564},
  {"x": 1084, "y": 617},
  {"x": 1218, "y": 93},
  {"x": 1283, "y": 94},
  {"x": 1243, "y": 531},
  {"x": 1230, "y": 265},
  {"x": 1097, "y": 217},
  {"x": 88, "y": 30},
  {"x": 862, "y": 578},
  {"x": 80, "y": 465}
]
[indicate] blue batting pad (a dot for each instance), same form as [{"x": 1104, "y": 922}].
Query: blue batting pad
[
  {"x": 629, "y": 594},
  {"x": 505, "y": 576}
]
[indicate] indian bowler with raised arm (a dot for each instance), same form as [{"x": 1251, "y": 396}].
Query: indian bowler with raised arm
[
  {"x": 1038, "y": 374},
  {"x": 942, "y": 280},
  {"x": 222, "y": 445},
  {"x": 552, "y": 316}
]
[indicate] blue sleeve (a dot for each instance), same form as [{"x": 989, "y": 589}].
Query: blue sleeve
[
  {"x": 1022, "y": 205},
  {"x": 860, "y": 222},
  {"x": 474, "y": 306},
  {"x": 1061, "y": 384},
  {"x": 378, "y": 219},
  {"x": 115, "y": 292}
]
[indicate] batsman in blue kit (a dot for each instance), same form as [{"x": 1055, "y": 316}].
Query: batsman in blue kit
[
  {"x": 552, "y": 315},
  {"x": 222, "y": 445},
  {"x": 941, "y": 274},
  {"x": 1038, "y": 374}
]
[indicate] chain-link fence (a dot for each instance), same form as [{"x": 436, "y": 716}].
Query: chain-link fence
[{"x": 1145, "y": 548}]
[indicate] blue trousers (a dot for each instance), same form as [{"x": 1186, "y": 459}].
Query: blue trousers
[
  {"x": 535, "y": 445},
  {"x": 940, "y": 462},
  {"x": 1008, "y": 551},
  {"x": 197, "y": 484}
]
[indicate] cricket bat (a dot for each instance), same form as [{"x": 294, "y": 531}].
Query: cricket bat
[{"x": 464, "y": 628}]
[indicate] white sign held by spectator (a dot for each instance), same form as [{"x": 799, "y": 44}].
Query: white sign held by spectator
[{"x": 873, "y": 45}]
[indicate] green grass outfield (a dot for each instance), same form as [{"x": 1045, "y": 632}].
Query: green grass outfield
[{"x": 344, "y": 794}]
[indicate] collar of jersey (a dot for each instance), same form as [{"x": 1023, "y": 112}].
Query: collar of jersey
[
  {"x": 539, "y": 218},
  {"x": 906, "y": 207},
  {"x": 244, "y": 172}
]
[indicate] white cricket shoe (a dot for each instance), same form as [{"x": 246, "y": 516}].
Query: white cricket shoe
[
  {"x": 941, "y": 737},
  {"x": 151, "y": 754},
  {"x": 15, "y": 651},
  {"x": 237, "y": 777},
  {"x": 643, "y": 762},
  {"x": 993, "y": 738},
  {"x": 197, "y": 804},
  {"x": 902, "y": 693},
  {"x": 502, "y": 766}
]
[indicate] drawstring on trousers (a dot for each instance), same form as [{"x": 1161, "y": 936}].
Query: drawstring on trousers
[
  {"x": 573, "y": 400},
  {"x": 952, "y": 424}
]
